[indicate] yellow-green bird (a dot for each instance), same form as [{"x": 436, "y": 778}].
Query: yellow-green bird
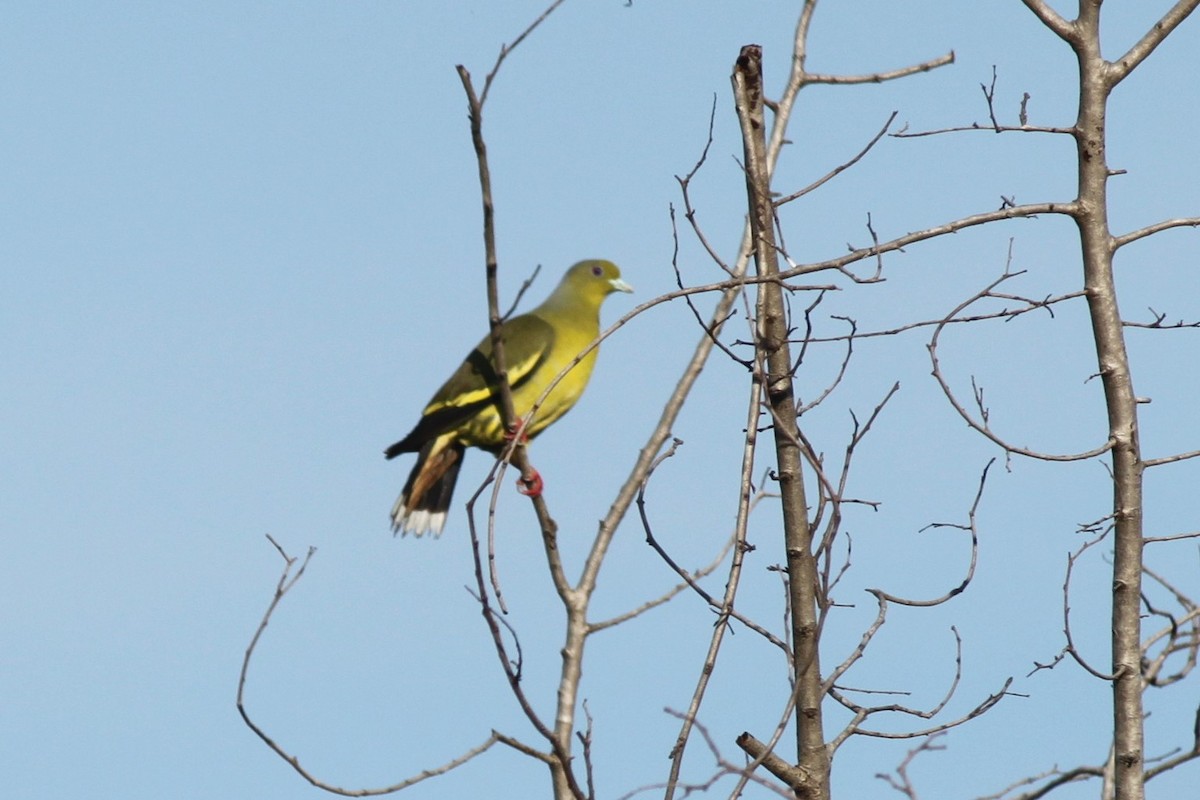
[{"x": 465, "y": 412}]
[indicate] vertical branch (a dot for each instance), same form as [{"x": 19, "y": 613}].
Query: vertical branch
[
  {"x": 575, "y": 603},
  {"x": 475, "y": 114},
  {"x": 775, "y": 355},
  {"x": 1096, "y": 80},
  {"x": 732, "y": 583}
]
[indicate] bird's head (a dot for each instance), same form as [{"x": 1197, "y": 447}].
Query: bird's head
[{"x": 594, "y": 279}]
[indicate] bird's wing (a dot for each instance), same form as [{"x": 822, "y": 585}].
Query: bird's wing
[{"x": 527, "y": 340}]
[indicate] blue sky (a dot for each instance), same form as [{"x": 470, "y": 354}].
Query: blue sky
[{"x": 241, "y": 247}]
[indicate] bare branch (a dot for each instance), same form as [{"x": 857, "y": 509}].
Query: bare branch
[
  {"x": 857, "y": 653},
  {"x": 774, "y": 358},
  {"x": 516, "y": 450},
  {"x": 505, "y": 49},
  {"x": 1051, "y": 19},
  {"x": 1071, "y": 648},
  {"x": 840, "y": 168},
  {"x": 525, "y": 284},
  {"x": 689, "y": 578},
  {"x": 973, "y": 530},
  {"x": 982, "y": 708},
  {"x": 716, "y": 325},
  {"x": 287, "y": 580},
  {"x": 1172, "y": 763},
  {"x": 1157, "y": 462},
  {"x": 832, "y": 385},
  {"x": 1172, "y": 538},
  {"x": 861, "y": 712},
  {"x": 733, "y": 286},
  {"x": 1024, "y": 127},
  {"x": 574, "y": 603},
  {"x": 1163, "y": 225},
  {"x": 797, "y": 778},
  {"x": 888, "y": 75},
  {"x": 900, "y": 242},
  {"x": 746, "y": 772},
  {"x": 1153, "y": 38},
  {"x": 1059, "y": 778},
  {"x": 585, "y": 740},
  {"x": 1031, "y": 305},
  {"x": 510, "y": 666},
  {"x": 901, "y": 782},
  {"x": 981, "y": 425},
  {"x": 989, "y": 95},
  {"x": 725, "y": 608},
  {"x": 1160, "y": 324},
  {"x": 685, "y": 185},
  {"x": 1182, "y": 635}
]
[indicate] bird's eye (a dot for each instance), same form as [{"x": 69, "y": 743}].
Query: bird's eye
[{"x": 597, "y": 270}]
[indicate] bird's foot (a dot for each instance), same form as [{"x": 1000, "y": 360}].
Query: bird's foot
[
  {"x": 530, "y": 485},
  {"x": 516, "y": 432}
]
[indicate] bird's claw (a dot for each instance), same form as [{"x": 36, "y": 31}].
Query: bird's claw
[
  {"x": 516, "y": 432},
  {"x": 530, "y": 485}
]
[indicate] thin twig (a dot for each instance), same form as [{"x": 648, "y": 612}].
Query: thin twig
[{"x": 287, "y": 580}]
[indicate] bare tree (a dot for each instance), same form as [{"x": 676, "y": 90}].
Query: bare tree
[{"x": 780, "y": 300}]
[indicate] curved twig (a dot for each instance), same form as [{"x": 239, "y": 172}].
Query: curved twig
[
  {"x": 981, "y": 426},
  {"x": 840, "y": 168},
  {"x": 973, "y": 529},
  {"x": 1070, "y": 647},
  {"x": 287, "y": 580}
]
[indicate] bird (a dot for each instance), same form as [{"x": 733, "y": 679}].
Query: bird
[{"x": 465, "y": 412}]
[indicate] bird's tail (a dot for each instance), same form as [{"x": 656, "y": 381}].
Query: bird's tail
[{"x": 422, "y": 505}]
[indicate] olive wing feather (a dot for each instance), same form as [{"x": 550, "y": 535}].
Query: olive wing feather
[{"x": 474, "y": 385}]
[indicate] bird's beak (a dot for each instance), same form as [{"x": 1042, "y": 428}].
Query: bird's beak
[{"x": 619, "y": 285}]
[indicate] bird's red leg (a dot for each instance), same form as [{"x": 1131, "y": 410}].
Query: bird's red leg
[
  {"x": 516, "y": 431},
  {"x": 530, "y": 484}
]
